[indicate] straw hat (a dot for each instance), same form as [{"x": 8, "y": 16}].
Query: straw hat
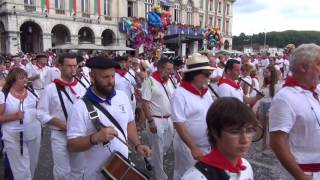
[{"x": 197, "y": 62}]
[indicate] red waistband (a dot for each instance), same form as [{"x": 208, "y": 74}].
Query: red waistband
[
  {"x": 162, "y": 117},
  {"x": 310, "y": 167}
]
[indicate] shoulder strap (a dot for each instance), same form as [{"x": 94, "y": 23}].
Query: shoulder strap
[
  {"x": 82, "y": 84},
  {"x": 166, "y": 91},
  {"x": 211, "y": 172},
  {"x": 30, "y": 89},
  {"x": 94, "y": 116},
  {"x": 5, "y": 95},
  {"x": 59, "y": 89}
]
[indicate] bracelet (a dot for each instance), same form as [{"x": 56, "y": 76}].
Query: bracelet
[
  {"x": 91, "y": 141},
  {"x": 136, "y": 146}
]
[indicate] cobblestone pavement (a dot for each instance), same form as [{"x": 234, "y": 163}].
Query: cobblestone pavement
[{"x": 264, "y": 165}]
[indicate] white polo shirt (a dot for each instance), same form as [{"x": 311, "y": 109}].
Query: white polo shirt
[
  {"x": 192, "y": 110},
  {"x": 153, "y": 91},
  {"x": 80, "y": 125},
  {"x": 225, "y": 90},
  {"x": 296, "y": 112}
]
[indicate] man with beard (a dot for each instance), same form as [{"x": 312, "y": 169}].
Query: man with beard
[{"x": 83, "y": 136}]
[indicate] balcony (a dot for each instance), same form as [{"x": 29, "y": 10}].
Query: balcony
[
  {"x": 60, "y": 11},
  {"x": 86, "y": 14},
  {"x": 29, "y": 7}
]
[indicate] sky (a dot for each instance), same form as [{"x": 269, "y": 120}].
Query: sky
[{"x": 254, "y": 16}]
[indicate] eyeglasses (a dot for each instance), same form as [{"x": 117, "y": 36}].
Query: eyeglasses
[{"x": 237, "y": 132}]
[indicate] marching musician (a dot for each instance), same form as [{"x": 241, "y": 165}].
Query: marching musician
[
  {"x": 231, "y": 128},
  {"x": 83, "y": 136},
  {"x": 54, "y": 108},
  {"x": 295, "y": 117},
  {"x": 190, "y": 103},
  {"x": 21, "y": 139}
]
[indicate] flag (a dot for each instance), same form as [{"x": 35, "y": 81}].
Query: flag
[
  {"x": 73, "y": 7},
  {"x": 45, "y": 5},
  {"x": 97, "y": 7}
]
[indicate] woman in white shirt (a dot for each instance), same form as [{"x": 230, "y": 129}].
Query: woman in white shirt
[
  {"x": 21, "y": 130},
  {"x": 269, "y": 88}
]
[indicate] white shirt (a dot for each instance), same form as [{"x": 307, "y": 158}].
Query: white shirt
[
  {"x": 80, "y": 125},
  {"x": 256, "y": 84},
  {"x": 218, "y": 72},
  {"x": 50, "y": 106},
  {"x": 154, "y": 92},
  {"x": 192, "y": 110},
  {"x": 266, "y": 92},
  {"x": 225, "y": 90},
  {"x": 126, "y": 84},
  {"x": 30, "y": 121},
  {"x": 52, "y": 74},
  {"x": 296, "y": 112},
  {"x": 279, "y": 62},
  {"x": 247, "y": 79},
  {"x": 264, "y": 63},
  {"x": 247, "y": 174},
  {"x": 39, "y": 83}
]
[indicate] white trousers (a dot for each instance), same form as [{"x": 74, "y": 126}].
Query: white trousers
[
  {"x": 285, "y": 175},
  {"x": 183, "y": 157},
  {"x": 60, "y": 155},
  {"x": 160, "y": 144},
  {"x": 23, "y": 166}
]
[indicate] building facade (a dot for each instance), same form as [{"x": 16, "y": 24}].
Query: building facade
[{"x": 38, "y": 25}]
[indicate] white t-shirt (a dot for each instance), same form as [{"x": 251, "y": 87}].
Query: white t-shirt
[
  {"x": 248, "y": 79},
  {"x": 50, "y": 106},
  {"x": 218, "y": 72},
  {"x": 256, "y": 84},
  {"x": 225, "y": 90},
  {"x": 247, "y": 174},
  {"x": 80, "y": 125},
  {"x": 127, "y": 85},
  {"x": 52, "y": 74},
  {"x": 192, "y": 110},
  {"x": 264, "y": 63},
  {"x": 154, "y": 92},
  {"x": 31, "y": 126},
  {"x": 266, "y": 92},
  {"x": 39, "y": 83},
  {"x": 279, "y": 62},
  {"x": 296, "y": 112}
]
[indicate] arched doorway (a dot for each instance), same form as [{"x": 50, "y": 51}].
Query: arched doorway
[
  {"x": 60, "y": 35},
  {"x": 108, "y": 37},
  {"x": 226, "y": 44},
  {"x": 31, "y": 37},
  {"x": 86, "y": 34},
  {"x": 3, "y": 46}
]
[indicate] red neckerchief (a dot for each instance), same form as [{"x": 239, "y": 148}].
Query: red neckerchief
[
  {"x": 64, "y": 84},
  {"x": 218, "y": 160},
  {"x": 156, "y": 75},
  {"x": 291, "y": 82},
  {"x": 121, "y": 72},
  {"x": 189, "y": 87},
  {"x": 40, "y": 66},
  {"x": 229, "y": 82}
]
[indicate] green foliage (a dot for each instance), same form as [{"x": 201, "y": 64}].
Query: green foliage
[{"x": 276, "y": 39}]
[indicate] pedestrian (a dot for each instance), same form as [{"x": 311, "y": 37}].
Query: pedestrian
[
  {"x": 20, "y": 126},
  {"x": 231, "y": 128},
  {"x": 190, "y": 103},
  {"x": 295, "y": 117}
]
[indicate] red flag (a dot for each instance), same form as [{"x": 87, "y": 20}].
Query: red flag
[
  {"x": 99, "y": 8},
  {"x": 75, "y": 7},
  {"x": 48, "y": 6}
]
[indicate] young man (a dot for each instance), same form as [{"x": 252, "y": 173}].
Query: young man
[
  {"x": 231, "y": 128},
  {"x": 156, "y": 95},
  {"x": 190, "y": 103},
  {"x": 295, "y": 117},
  {"x": 54, "y": 108},
  {"x": 83, "y": 136}
]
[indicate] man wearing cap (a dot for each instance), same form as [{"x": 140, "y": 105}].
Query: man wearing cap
[
  {"x": 156, "y": 95},
  {"x": 190, "y": 103},
  {"x": 54, "y": 108},
  {"x": 37, "y": 73},
  {"x": 83, "y": 136},
  {"x": 228, "y": 85}
]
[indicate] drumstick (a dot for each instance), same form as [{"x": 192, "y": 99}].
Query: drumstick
[
  {"x": 148, "y": 165},
  {"x": 240, "y": 78}
]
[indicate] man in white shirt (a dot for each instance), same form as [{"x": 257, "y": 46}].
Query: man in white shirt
[
  {"x": 156, "y": 95},
  {"x": 294, "y": 117},
  {"x": 100, "y": 143},
  {"x": 53, "y": 109}
]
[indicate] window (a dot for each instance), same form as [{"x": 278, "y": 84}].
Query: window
[
  {"x": 59, "y": 6},
  {"x": 211, "y": 4},
  {"x": 219, "y": 23},
  {"x": 148, "y": 5},
  {"x": 210, "y": 20},
  {"x": 130, "y": 9},
  {"x": 219, "y": 7},
  {"x": 85, "y": 8},
  {"x": 201, "y": 4},
  {"x": 189, "y": 14},
  {"x": 227, "y": 27},
  {"x": 228, "y": 9},
  {"x": 29, "y": 5},
  {"x": 177, "y": 13},
  {"x": 201, "y": 20},
  {"x": 106, "y": 11},
  {"x": 29, "y": 2}
]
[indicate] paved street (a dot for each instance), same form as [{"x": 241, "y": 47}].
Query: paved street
[{"x": 263, "y": 164}]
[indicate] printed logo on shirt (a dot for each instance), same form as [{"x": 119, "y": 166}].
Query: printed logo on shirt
[{"x": 122, "y": 109}]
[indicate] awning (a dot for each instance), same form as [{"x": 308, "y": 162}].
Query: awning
[{"x": 90, "y": 46}]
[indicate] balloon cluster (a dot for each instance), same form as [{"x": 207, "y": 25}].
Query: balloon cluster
[
  {"x": 214, "y": 38},
  {"x": 289, "y": 49},
  {"x": 135, "y": 31}
]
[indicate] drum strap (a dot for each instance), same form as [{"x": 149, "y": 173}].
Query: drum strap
[{"x": 95, "y": 118}]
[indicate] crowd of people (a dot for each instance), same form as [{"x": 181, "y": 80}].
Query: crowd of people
[{"x": 209, "y": 107}]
